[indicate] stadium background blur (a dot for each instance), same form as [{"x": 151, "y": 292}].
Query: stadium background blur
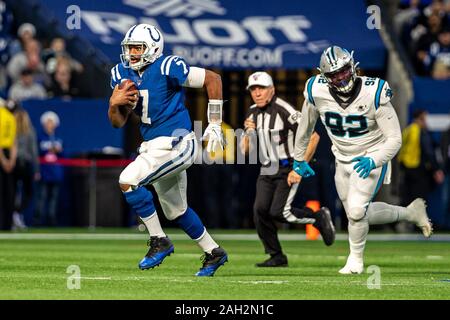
[{"x": 408, "y": 45}]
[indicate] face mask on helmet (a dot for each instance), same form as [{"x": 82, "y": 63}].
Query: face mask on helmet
[
  {"x": 338, "y": 68},
  {"x": 135, "y": 55},
  {"x": 341, "y": 80}
]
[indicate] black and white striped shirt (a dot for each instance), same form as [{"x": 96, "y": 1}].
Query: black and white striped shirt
[{"x": 276, "y": 125}]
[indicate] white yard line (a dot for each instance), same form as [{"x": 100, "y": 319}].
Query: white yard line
[
  {"x": 261, "y": 281},
  {"x": 219, "y": 237},
  {"x": 92, "y": 278},
  {"x": 360, "y": 280}
]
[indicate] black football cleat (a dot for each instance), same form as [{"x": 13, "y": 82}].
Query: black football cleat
[
  {"x": 212, "y": 261},
  {"x": 279, "y": 260},
  {"x": 324, "y": 224},
  {"x": 160, "y": 248}
]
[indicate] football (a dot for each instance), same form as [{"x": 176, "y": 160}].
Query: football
[{"x": 124, "y": 83}]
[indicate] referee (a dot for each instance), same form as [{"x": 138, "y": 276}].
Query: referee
[{"x": 272, "y": 123}]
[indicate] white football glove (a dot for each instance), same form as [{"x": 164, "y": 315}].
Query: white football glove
[{"x": 214, "y": 135}]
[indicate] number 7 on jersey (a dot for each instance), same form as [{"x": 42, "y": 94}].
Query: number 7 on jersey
[{"x": 145, "y": 118}]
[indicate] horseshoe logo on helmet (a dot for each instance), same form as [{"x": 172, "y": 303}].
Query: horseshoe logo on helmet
[{"x": 151, "y": 35}]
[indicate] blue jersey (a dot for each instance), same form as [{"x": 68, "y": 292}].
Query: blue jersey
[
  {"x": 161, "y": 96},
  {"x": 50, "y": 170}
]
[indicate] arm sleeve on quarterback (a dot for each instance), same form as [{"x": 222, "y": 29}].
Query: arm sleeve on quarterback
[
  {"x": 388, "y": 123},
  {"x": 383, "y": 94},
  {"x": 305, "y": 130},
  {"x": 195, "y": 78},
  {"x": 115, "y": 76},
  {"x": 175, "y": 68}
]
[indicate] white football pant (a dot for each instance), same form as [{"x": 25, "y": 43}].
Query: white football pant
[
  {"x": 162, "y": 162},
  {"x": 356, "y": 194}
]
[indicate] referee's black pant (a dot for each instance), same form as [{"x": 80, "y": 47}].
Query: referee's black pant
[{"x": 273, "y": 197}]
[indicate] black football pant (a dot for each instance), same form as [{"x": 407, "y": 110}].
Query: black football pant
[
  {"x": 273, "y": 196},
  {"x": 24, "y": 173},
  {"x": 6, "y": 199}
]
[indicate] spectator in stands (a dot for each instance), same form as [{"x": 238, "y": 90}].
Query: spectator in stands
[
  {"x": 418, "y": 160},
  {"x": 436, "y": 7},
  {"x": 5, "y": 42},
  {"x": 27, "y": 88},
  {"x": 438, "y": 56},
  {"x": 56, "y": 51},
  {"x": 27, "y": 166},
  {"x": 62, "y": 81},
  {"x": 422, "y": 46},
  {"x": 25, "y": 32},
  {"x": 8, "y": 153},
  {"x": 28, "y": 59},
  {"x": 50, "y": 150},
  {"x": 441, "y": 70},
  {"x": 407, "y": 15}
]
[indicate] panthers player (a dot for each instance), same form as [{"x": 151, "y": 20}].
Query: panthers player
[
  {"x": 169, "y": 146},
  {"x": 365, "y": 132}
]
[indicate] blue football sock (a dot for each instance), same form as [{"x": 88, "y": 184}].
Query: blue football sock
[
  {"x": 191, "y": 224},
  {"x": 141, "y": 200}
]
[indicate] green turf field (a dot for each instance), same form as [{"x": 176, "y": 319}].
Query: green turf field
[{"x": 36, "y": 269}]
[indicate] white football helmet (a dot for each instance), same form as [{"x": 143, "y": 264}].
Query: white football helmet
[
  {"x": 338, "y": 68},
  {"x": 151, "y": 40}
]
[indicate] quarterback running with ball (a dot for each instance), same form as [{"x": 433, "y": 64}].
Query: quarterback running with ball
[
  {"x": 169, "y": 146},
  {"x": 365, "y": 133}
]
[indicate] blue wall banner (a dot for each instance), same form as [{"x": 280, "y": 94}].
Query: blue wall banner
[
  {"x": 229, "y": 34},
  {"x": 84, "y": 124},
  {"x": 432, "y": 95}
]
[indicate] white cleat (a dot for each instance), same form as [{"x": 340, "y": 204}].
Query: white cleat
[
  {"x": 353, "y": 266},
  {"x": 17, "y": 221},
  {"x": 418, "y": 215}
]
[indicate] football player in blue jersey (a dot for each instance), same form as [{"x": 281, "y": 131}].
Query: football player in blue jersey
[{"x": 169, "y": 146}]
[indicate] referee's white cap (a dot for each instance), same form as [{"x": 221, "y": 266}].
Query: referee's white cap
[{"x": 260, "y": 78}]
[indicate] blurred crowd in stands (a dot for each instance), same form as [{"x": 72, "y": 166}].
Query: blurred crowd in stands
[
  {"x": 33, "y": 68},
  {"x": 424, "y": 29}
]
